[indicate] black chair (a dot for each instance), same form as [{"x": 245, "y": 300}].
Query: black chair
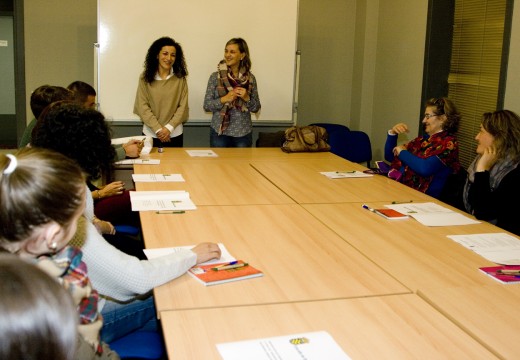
[
  {"x": 352, "y": 145},
  {"x": 270, "y": 139}
]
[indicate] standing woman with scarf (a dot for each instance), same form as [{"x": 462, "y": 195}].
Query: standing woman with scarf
[
  {"x": 492, "y": 191},
  {"x": 232, "y": 95},
  {"x": 161, "y": 101}
]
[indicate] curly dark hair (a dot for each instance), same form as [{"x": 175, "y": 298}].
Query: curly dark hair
[
  {"x": 444, "y": 106},
  {"x": 78, "y": 133},
  {"x": 151, "y": 63}
]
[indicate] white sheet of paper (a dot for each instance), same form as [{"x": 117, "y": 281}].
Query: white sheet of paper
[
  {"x": 345, "y": 174},
  {"x": 138, "y": 161},
  {"x": 161, "y": 200},
  {"x": 432, "y": 214},
  {"x": 157, "y": 178},
  {"x": 225, "y": 256},
  {"x": 500, "y": 248},
  {"x": 202, "y": 153},
  {"x": 317, "y": 345}
]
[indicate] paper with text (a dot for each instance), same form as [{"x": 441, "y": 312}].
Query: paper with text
[
  {"x": 305, "y": 346},
  {"x": 202, "y": 153},
  {"x": 138, "y": 162},
  {"x": 161, "y": 200},
  {"x": 500, "y": 248},
  {"x": 345, "y": 174},
  {"x": 157, "y": 178},
  {"x": 431, "y": 214},
  {"x": 225, "y": 256}
]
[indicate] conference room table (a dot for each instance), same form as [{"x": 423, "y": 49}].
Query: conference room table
[{"x": 328, "y": 263}]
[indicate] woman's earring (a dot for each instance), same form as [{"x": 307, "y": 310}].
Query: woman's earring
[{"x": 54, "y": 246}]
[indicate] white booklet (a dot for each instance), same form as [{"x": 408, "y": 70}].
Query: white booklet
[
  {"x": 225, "y": 256},
  {"x": 157, "y": 178},
  {"x": 345, "y": 174},
  {"x": 202, "y": 153},
  {"x": 432, "y": 214},
  {"x": 138, "y": 161},
  {"x": 500, "y": 248},
  {"x": 161, "y": 200},
  {"x": 310, "y": 346}
]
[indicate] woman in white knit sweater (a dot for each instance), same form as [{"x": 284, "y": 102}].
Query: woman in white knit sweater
[{"x": 125, "y": 282}]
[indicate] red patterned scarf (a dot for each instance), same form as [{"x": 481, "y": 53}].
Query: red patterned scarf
[
  {"x": 226, "y": 83},
  {"x": 442, "y": 145}
]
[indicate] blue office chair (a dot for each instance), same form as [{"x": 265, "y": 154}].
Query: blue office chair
[
  {"x": 145, "y": 345},
  {"x": 352, "y": 145}
]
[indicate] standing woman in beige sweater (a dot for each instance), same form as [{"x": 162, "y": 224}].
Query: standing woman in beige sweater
[{"x": 161, "y": 101}]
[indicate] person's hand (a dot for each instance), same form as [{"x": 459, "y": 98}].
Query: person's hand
[
  {"x": 133, "y": 148},
  {"x": 488, "y": 159},
  {"x": 104, "y": 227},
  {"x": 229, "y": 97},
  {"x": 206, "y": 252},
  {"x": 164, "y": 134},
  {"x": 400, "y": 128},
  {"x": 241, "y": 93},
  {"x": 397, "y": 150},
  {"x": 114, "y": 188}
]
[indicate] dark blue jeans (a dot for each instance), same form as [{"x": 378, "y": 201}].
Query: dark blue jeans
[{"x": 216, "y": 140}]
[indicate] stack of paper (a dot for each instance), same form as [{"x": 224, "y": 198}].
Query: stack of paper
[
  {"x": 161, "y": 200},
  {"x": 345, "y": 174},
  {"x": 431, "y": 214},
  {"x": 317, "y": 345},
  {"x": 500, "y": 248},
  {"x": 202, "y": 153}
]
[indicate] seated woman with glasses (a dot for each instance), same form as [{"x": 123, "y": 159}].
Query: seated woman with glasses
[{"x": 426, "y": 162}]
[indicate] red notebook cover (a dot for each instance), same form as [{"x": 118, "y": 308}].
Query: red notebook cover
[
  {"x": 208, "y": 276},
  {"x": 391, "y": 214},
  {"x": 513, "y": 275}
]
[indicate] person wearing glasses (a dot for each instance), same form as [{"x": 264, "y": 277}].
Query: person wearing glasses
[
  {"x": 426, "y": 162},
  {"x": 491, "y": 192}
]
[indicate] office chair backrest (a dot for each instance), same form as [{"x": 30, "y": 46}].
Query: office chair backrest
[{"x": 352, "y": 145}]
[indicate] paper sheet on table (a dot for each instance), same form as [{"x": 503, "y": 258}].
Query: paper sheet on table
[
  {"x": 148, "y": 142},
  {"x": 157, "y": 178},
  {"x": 431, "y": 214},
  {"x": 500, "y": 248},
  {"x": 161, "y": 200},
  {"x": 138, "y": 161},
  {"x": 202, "y": 153},
  {"x": 345, "y": 174},
  {"x": 225, "y": 256},
  {"x": 317, "y": 345}
]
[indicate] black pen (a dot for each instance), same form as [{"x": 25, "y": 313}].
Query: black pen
[{"x": 170, "y": 212}]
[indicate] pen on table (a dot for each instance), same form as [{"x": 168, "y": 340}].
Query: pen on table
[
  {"x": 228, "y": 267},
  {"x": 346, "y": 172},
  {"x": 170, "y": 212},
  {"x": 509, "y": 271},
  {"x": 227, "y": 264},
  {"x": 364, "y": 206},
  {"x": 402, "y": 202}
]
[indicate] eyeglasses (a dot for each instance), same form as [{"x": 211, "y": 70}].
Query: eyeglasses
[{"x": 427, "y": 116}]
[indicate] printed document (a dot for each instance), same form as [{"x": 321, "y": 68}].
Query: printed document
[
  {"x": 432, "y": 214},
  {"x": 500, "y": 248},
  {"x": 161, "y": 200}
]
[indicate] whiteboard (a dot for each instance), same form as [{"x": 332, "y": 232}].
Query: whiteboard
[{"x": 127, "y": 28}]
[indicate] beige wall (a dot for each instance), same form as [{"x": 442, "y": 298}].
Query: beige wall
[
  {"x": 361, "y": 60},
  {"x": 59, "y": 38}
]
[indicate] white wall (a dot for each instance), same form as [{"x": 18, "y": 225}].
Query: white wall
[{"x": 361, "y": 62}]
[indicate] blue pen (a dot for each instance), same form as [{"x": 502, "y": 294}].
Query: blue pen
[{"x": 364, "y": 206}]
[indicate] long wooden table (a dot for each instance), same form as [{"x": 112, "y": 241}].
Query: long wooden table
[
  {"x": 301, "y": 258},
  {"x": 383, "y": 327},
  {"x": 328, "y": 263}
]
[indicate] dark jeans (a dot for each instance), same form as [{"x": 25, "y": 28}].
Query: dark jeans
[{"x": 216, "y": 140}]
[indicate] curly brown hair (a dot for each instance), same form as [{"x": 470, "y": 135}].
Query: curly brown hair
[{"x": 444, "y": 106}]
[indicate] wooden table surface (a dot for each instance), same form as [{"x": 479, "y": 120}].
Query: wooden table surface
[
  {"x": 383, "y": 327},
  {"x": 301, "y": 258}
]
